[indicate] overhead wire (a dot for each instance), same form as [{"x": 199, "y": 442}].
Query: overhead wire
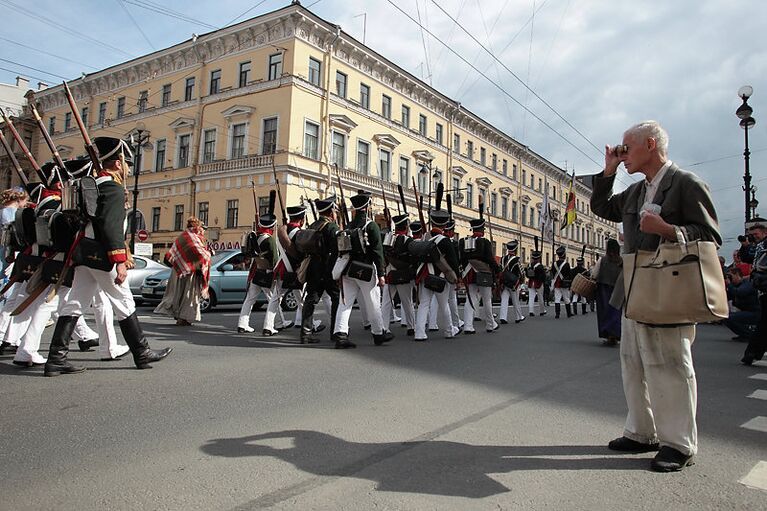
[
  {"x": 529, "y": 66},
  {"x": 246, "y": 12},
  {"x": 159, "y": 9},
  {"x": 47, "y": 53},
  {"x": 423, "y": 42},
  {"x": 135, "y": 24},
  {"x": 33, "y": 68}
]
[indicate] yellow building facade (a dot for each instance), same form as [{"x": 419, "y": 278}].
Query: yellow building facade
[{"x": 290, "y": 93}]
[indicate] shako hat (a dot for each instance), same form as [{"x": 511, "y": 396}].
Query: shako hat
[
  {"x": 110, "y": 149},
  {"x": 361, "y": 200},
  {"x": 561, "y": 251},
  {"x": 535, "y": 254},
  {"x": 401, "y": 220},
  {"x": 268, "y": 220},
  {"x": 296, "y": 211},
  {"x": 512, "y": 245},
  {"x": 52, "y": 173},
  {"x": 450, "y": 225},
  {"x": 580, "y": 258},
  {"x": 325, "y": 204},
  {"x": 416, "y": 226},
  {"x": 78, "y": 168}
]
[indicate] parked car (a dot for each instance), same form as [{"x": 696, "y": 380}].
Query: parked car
[
  {"x": 144, "y": 267},
  {"x": 228, "y": 283}
]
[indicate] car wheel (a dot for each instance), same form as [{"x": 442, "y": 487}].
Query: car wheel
[
  {"x": 206, "y": 304},
  {"x": 289, "y": 302}
]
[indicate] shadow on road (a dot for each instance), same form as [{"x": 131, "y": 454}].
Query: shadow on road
[{"x": 433, "y": 467}]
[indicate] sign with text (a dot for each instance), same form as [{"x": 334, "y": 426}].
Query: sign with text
[{"x": 143, "y": 249}]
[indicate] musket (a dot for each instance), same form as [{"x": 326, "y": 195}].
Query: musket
[
  {"x": 46, "y": 135},
  {"x": 311, "y": 206},
  {"x": 255, "y": 200},
  {"x": 14, "y": 161},
  {"x": 419, "y": 203},
  {"x": 402, "y": 199},
  {"x": 279, "y": 194},
  {"x": 449, "y": 207},
  {"x": 344, "y": 211},
  {"x": 23, "y": 147},
  {"x": 89, "y": 147},
  {"x": 387, "y": 213}
]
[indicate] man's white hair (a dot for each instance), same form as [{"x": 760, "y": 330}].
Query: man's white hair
[{"x": 651, "y": 129}]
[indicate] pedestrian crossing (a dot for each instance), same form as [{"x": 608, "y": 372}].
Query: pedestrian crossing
[{"x": 757, "y": 477}]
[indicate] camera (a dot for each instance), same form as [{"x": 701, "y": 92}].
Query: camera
[
  {"x": 741, "y": 238},
  {"x": 620, "y": 149}
]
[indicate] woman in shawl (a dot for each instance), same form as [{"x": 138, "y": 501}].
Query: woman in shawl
[
  {"x": 188, "y": 283},
  {"x": 606, "y": 272}
]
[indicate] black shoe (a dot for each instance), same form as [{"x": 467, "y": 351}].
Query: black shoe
[
  {"x": 298, "y": 325},
  {"x": 410, "y": 332},
  {"x": 6, "y": 346},
  {"x": 307, "y": 338},
  {"x": 283, "y": 327},
  {"x": 27, "y": 364},
  {"x": 87, "y": 345},
  {"x": 504, "y": 322},
  {"x": 317, "y": 329},
  {"x": 143, "y": 355},
  {"x": 342, "y": 341},
  {"x": 543, "y": 313},
  {"x": 241, "y": 330},
  {"x": 520, "y": 320},
  {"x": 739, "y": 338},
  {"x": 531, "y": 314},
  {"x": 497, "y": 326},
  {"x": 469, "y": 332},
  {"x": 421, "y": 340},
  {"x": 477, "y": 319},
  {"x": 624, "y": 444},
  {"x": 268, "y": 333},
  {"x": 384, "y": 337},
  {"x": 434, "y": 330},
  {"x": 669, "y": 459},
  {"x": 366, "y": 327}
]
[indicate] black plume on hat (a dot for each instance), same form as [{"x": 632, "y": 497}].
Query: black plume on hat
[
  {"x": 438, "y": 200},
  {"x": 402, "y": 198},
  {"x": 449, "y": 205},
  {"x": 561, "y": 251},
  {"x": 481, "y": 208},
  {"x": 272, "y": 197},
  {"x": 535, "y": 242}
]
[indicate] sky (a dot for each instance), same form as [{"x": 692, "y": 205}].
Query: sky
[{"x": 564, "y": 77}]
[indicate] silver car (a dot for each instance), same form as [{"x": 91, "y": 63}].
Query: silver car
[{"x": 144, "y": 267}]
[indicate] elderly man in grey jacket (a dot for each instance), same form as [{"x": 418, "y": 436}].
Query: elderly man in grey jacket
[{"x": 656, "y": 363}]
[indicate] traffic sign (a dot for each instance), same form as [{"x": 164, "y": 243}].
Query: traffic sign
[{"x": 142, "y": 235}]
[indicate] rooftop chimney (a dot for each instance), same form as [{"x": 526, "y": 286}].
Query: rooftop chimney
[
  {"x": 42, "y": 85},
  {"x": 22, "y": 82}
]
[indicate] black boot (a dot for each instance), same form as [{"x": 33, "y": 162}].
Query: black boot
[
  {"x": 342, "y": 341},
  {"x": 139, "y": 347},
  {"x": 557, "y": 310},
  {"x": 382, "y": 338},
  {"x": 57, "y": 363},
  {"x": 583, "y": 308},
  {"x": 575, "y": 309},
  {"x": 87, "y": 345},
  {"x": 307, "y": 337},
  {"x": 569, "y": 310}
]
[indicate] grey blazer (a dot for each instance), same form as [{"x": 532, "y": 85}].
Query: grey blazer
[{"x": 685, "y": 202}]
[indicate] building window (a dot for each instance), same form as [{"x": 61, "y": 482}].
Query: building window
[
  {"x": 422, "y": 124},
  {"x": 483, "y": 156},
  {"x": 438, "y": 133},
  {"x": 469, "y": 195},
  {"x": 232, "y": 209},
  {"x": 143, "y": 98},
  {"x": 384, "y": 166},
  {"x": 423, "y": 179},
  {"x": 166, "y": 94},
  {"x": 386, "y": 106},
  {"x": 189, "y": 89},
  {"x": 483, "y": 197},
  {"x": 178, "y": 217},
  {"x": 505, "y": 166},
  {"x": 532, "y": 217},
  {"x": 52, "y": 125},
  {"x": 83, "y": 116},
  {"x": 183, "y": 151},
  {"x": 311, "y": 140},
  {"x": 406, "y": 116},
  {"x": 155, "y": 219},
  {"x": 238, "y": 141},
  {"x": 120, "y": 107},
  {"x": 494, "y": 162},
  {"x": 67, "y": 121},
  {"x": 263, "y": 206},
  {"x": 341, "y": 84},
  {"x": 102, "y": 112},
  {"x": 514, "y": 171},
  {"x": 456, "y": 143},
  {"x": 524, "y": 176},
  {"x": 202, "y": 212},
  {"x": 244, "y": 73},
  {"x": 404, "y": 171},
  {"x": 540, "y": 184},
  {"x": 532, "y": 181},
  {"x": 514, "y": 217},
  {"x": 456, "y": 186},
  {"x": 315, "y": 71},
  {"x": 209, "y": 146},
  {"x": 275, "y": 66},
  {"x": 505, "y": 208},
  {"x": 270, "y": 136},
  {"x": 365, "y": 96},
  {"x": 338, "y": 150},
  {"x": 159, "y": 156},
  {"x": 524, "y": 213},
  {"x": 470, "y": 149},
  {"x": 494, "y": 204},
  {"x": 215, "y": 81},
  {"x": 363, "y": 157}
]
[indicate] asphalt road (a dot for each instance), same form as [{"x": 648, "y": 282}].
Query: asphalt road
[{"x": 517, "y": 419}]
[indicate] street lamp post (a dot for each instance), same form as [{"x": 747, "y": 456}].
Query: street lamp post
[
  {"x": 744, "y": 112},
  {"x": 142, "y": 136}
]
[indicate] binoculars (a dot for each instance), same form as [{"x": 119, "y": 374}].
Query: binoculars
[{"x": 620, "y": 149}]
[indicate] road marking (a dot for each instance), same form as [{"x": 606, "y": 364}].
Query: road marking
[
  {"x": 760, "y": 376},
  {"x": 757, "y": 478},
  {"x": 759, "y": 394},
  {"x": 756, "y": 424}
]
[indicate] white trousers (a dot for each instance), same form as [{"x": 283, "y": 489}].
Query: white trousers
[
  {"x": 405, "y": 292},
  {"x": 659, "y": 384},
  {"x": 14, "y": 296},
  {"x": 433, "y": 310},
  {"x": 576, "y": 298},
  {"x": 109, "y": 347},
  {"x": 504, "y": 312},
  {"x": 247, "y": 305},
  {"x": 86, "y": 282},
  {"x": 486, "y": 293},
  {"x": 425, "y": 297},
  {"x": 369, "y": 295},
  {"x": 562, "y": 294},
  {"x": 452, "y": 301},
  {"x": 531, "y": 294}
]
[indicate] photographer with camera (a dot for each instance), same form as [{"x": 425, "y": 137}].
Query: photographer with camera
[{"x": 757, "y": 238}]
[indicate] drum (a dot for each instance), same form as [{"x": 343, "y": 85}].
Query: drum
[
  {"x": 584, "y": 286},
  {"x": 343, "y": 242}
]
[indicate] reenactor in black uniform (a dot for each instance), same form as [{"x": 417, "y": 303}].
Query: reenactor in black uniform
[
  {"x": 400, "y": 274},
  {"x": 561, "y": 279},
  {"x": 363, "y": 277},
  {"x": 511, "y": 276},
  {"x": 452, "y": 300},
  {"x": 536, "y": 278},
  {"x": 104, "y": 250},
  {"x": 479, "y": 270},
  {"x": 286, "y": 272},
  {"x": 416, "y": 229},
  {"x": 319, "y": 278},
  {"x": 579, "y": 269}
]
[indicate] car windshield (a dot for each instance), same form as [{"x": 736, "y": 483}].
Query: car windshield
[{"x": 220, "y": 257}]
